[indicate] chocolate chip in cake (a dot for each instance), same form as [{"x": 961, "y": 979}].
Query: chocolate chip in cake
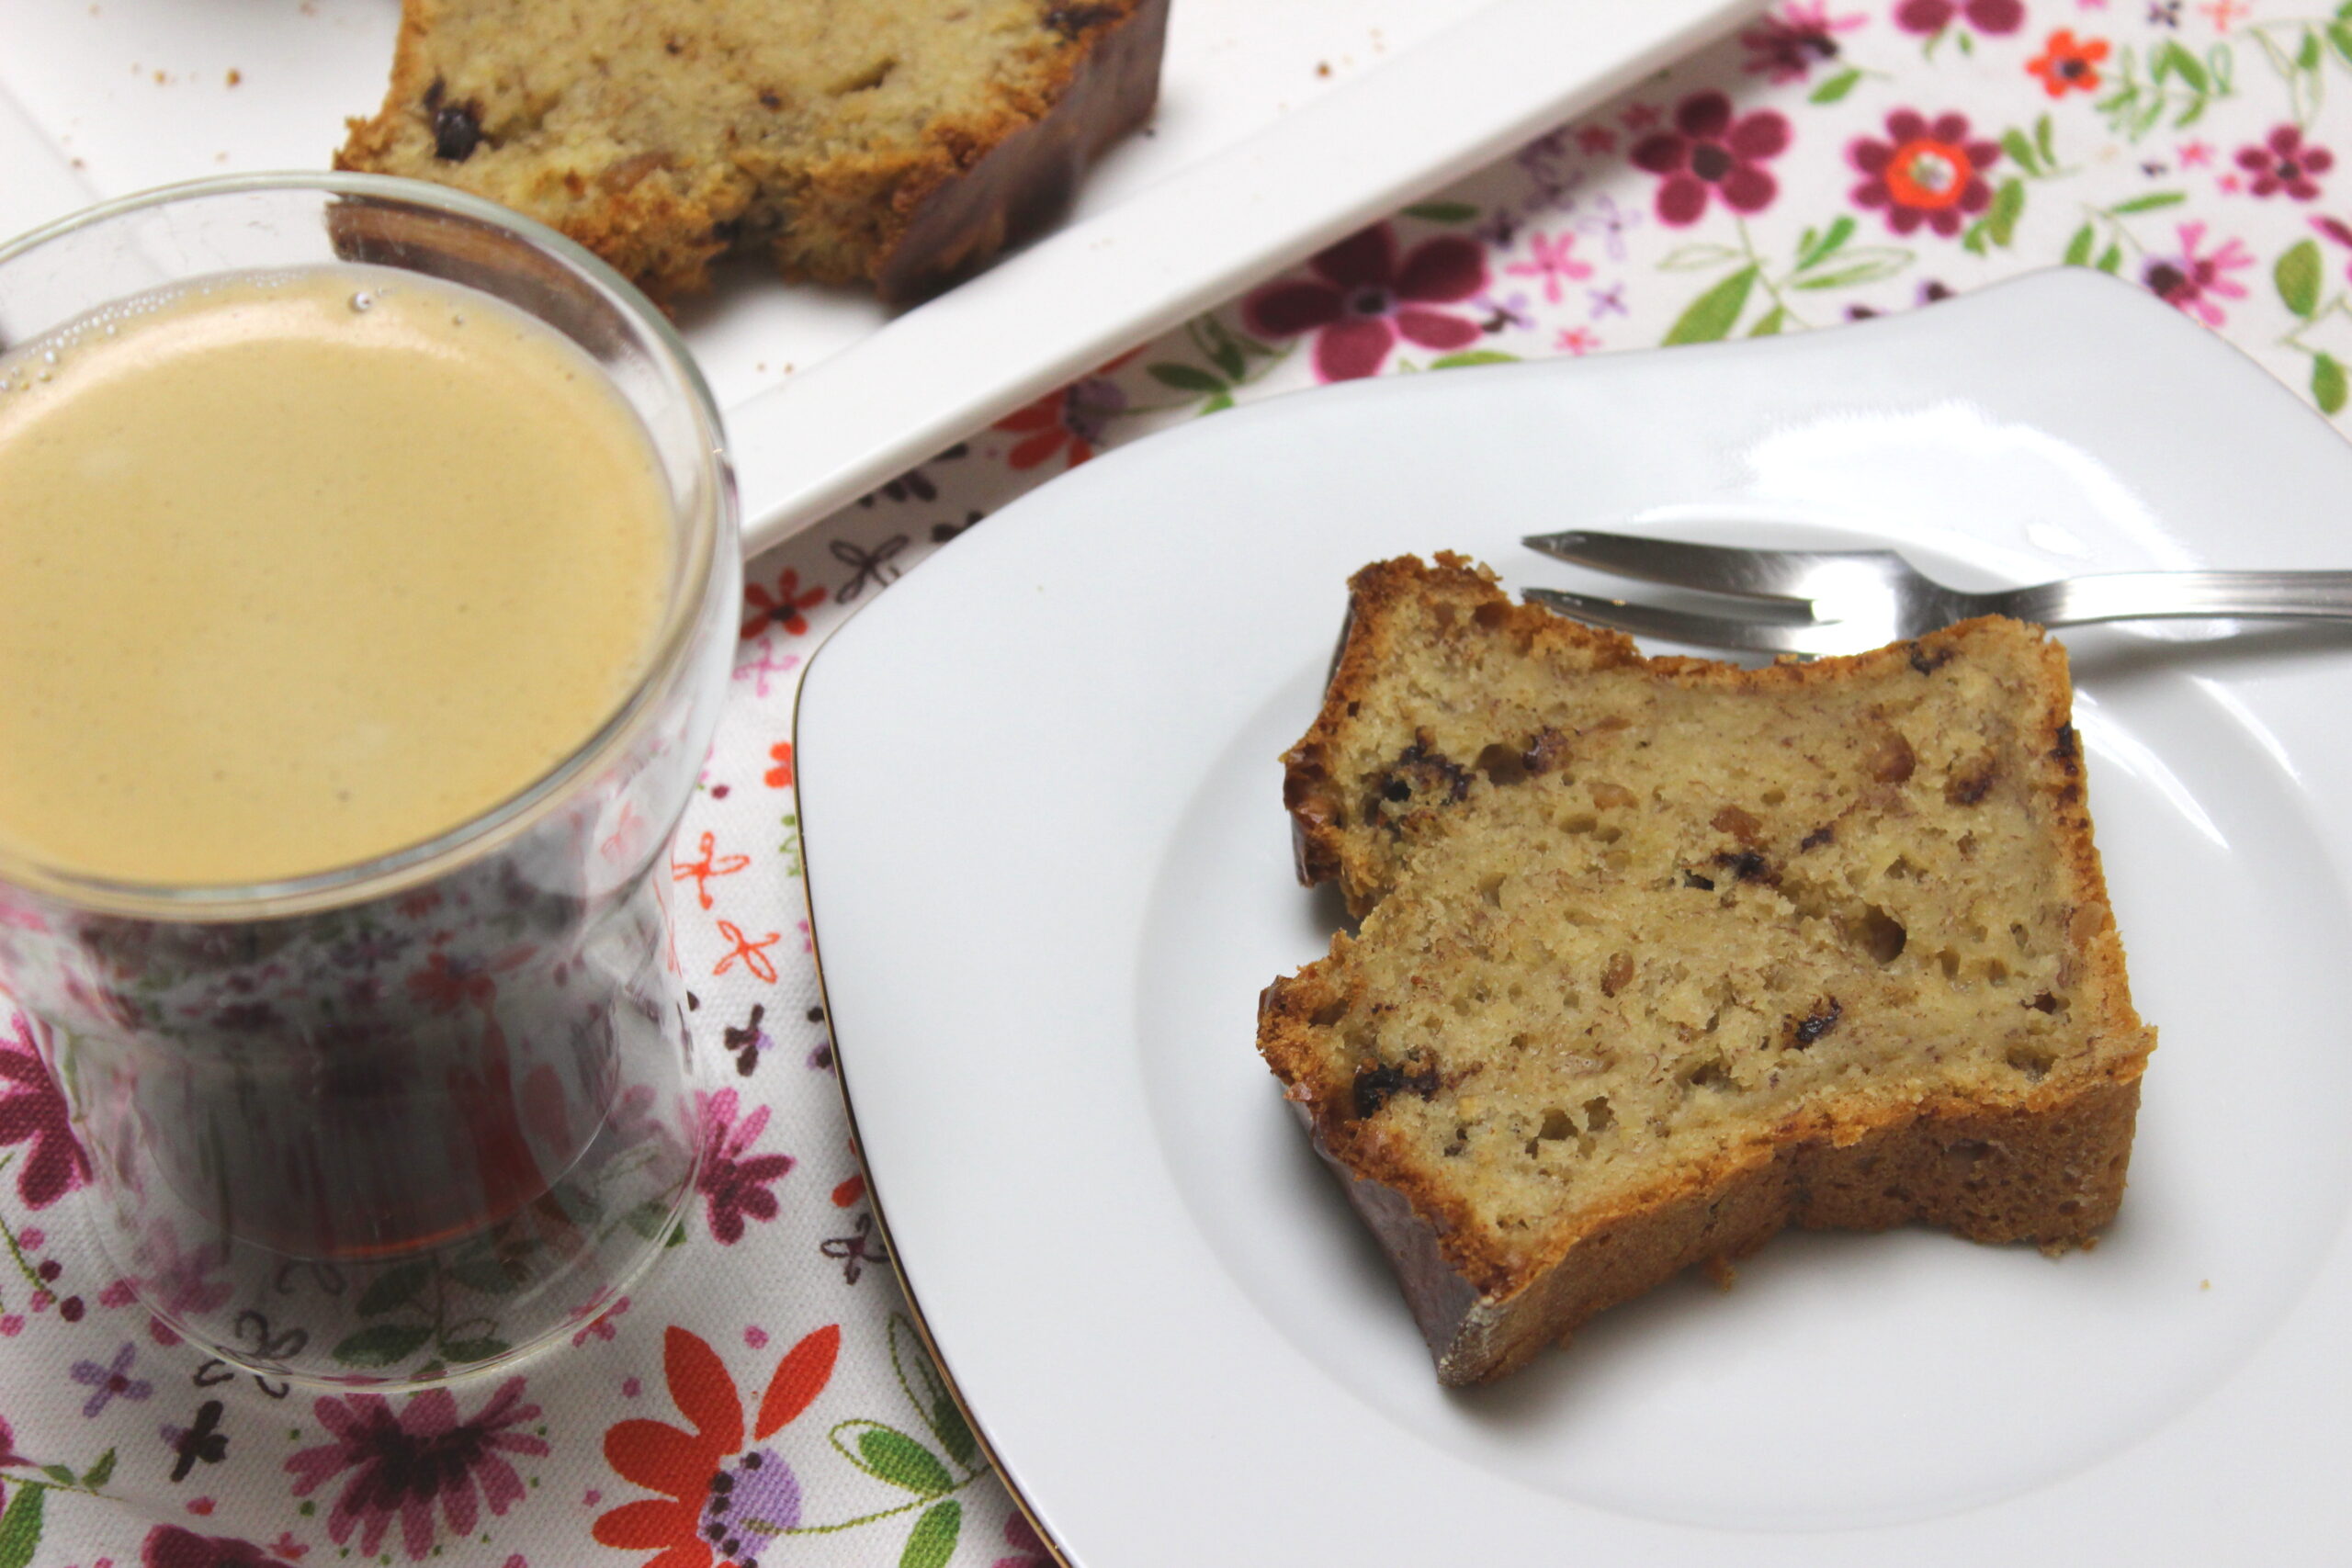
[
  {"x": 457, "y": 132},
  {"x": 1806, "y": 1032}
]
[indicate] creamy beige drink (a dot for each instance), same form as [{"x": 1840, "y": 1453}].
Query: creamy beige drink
[{"x": 299, "y": 569}]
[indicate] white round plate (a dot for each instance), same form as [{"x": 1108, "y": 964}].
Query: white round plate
[{"x": 1050, "y": 872}]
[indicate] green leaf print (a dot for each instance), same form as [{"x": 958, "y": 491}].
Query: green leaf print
[
  {"x": 2151, "y": 202},
  {"x": 2339, "y": 34},
  {"x": 1473, "y": 356},
  {"x": 2021, "y": 151},
  {"x": 20, "y": 1525},
  {"x": 920, "y": 1381},
  {"x": 2112, "y": 258},
  {"x": 383, "y": 1344},
  {"x": 2078, "y": 248},
  {"x": 492, "y": 1278},
  {"x": 954, "y": 1434},
  {"x": 1770, "y": 324},
  {"x": 1699, "y": 258},
  {"x": 933, "y": 1541},
  {"x": 61, "y": 1474},
  {"x": 98, "y": 1474},
  {"x": 1227, "y": 353},
  {"x": 1812, "y": 250},
  {"x": 2001, "y": 219},
  {"x": 2183, "y": 65},
  {"x": 1868, "y": 264},
  {"x": 888, "y": 1454},
  {"x": 2327, "y": 383},
  {"x": 1442, "y": 212},
  {"x": 1711, "y": 316},
  {"x": 2176, "y": 83},
  {"x": 2298, "y": 276},
  {"x": 1837, "y": 88},
  {"x": 394, "y": 1289},
  {"x": 1186, "y": 378},
  {"x": 469, "y": 1350}
]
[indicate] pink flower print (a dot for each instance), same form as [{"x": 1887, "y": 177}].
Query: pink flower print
[
  {"x": 1925, "y": 172},
  {"x": 446, "y": 984},
  {"x": 758, "y": 670},
  {"x": 2335, "y": 229},
  {"x": 1709, "y": 152},
  {"x": 179, "y": 1284},
  {"x": 1609, "y": 221},
  {"x": 1785, "y": 47},
  {"x": 2191, "y": 281},
  {"x": 404, "y": 1465},
  {"x": 1577, "y": 341},
  {"x": 1361, "y": 299},
  {"x": 1551, "y": 262},
  {"x": 33, "y": 1112},
  {"x": 601, "y": 1327},
  {"x": 169, "y": 1546},
  {"x": 731, "y": 1185},
  {"x": 8, "y": 1454},
  {"x": 111, "y": 1382},
  {"x": 2282, "y": 162},
  {"x": 1932, "y": 17},
  {"x": 1028, "y": 1551}
]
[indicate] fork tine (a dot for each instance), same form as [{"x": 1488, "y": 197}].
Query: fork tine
[
  {"x": 1714, "y": 568},
  {"x": 1680, "y": 626}
]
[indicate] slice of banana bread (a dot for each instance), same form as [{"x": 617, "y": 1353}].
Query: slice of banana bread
[
  {"x": 1661, "y": 956},
  {"x": 901, "y": 142}
]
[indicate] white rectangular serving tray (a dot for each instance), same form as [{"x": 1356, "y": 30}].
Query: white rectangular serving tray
[{"x": 1282, "y": 125}]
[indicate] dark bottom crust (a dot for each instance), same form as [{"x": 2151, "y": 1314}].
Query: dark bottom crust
[
  {"x": 2051, "y": 1177},
  {"x": 1024, "y": 183},
  {"x": 911, "y": 221}
]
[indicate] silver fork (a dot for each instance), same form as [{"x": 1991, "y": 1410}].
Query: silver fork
[{"x": 1820, "y": 601}]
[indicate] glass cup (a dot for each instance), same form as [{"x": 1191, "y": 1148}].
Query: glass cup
[{"x": 402, "y": 1120}]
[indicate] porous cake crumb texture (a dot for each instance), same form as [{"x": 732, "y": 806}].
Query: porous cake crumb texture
[
  {"x": 1659, "y": 955},
  {"x": 898, "y": 142}
]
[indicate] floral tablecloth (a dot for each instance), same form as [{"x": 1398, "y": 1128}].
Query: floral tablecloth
[{"x": 1834, "y": 159}]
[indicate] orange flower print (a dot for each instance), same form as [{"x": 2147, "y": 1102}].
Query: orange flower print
[
  {"x": 755, "y": 954},
  {"x": 1074, "y": 416},
  {"x": 711, "y": 864},
  {"x": 762, "y": 609},
  {"x": 715, "y": 1499},
  {"x": 780, "y": 776},
  {"x": 1926, "y": 172},
  {"x": 2067, "y": 64}
]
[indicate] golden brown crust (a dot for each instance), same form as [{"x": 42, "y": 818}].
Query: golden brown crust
[
  {"x": 2051, "y": 1176},
  {"x": 905, "y": 213},
  {"x": 2043, "y": 1161}
]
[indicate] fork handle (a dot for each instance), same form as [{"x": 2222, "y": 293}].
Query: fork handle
[{"x": 2141, "y": 595}]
